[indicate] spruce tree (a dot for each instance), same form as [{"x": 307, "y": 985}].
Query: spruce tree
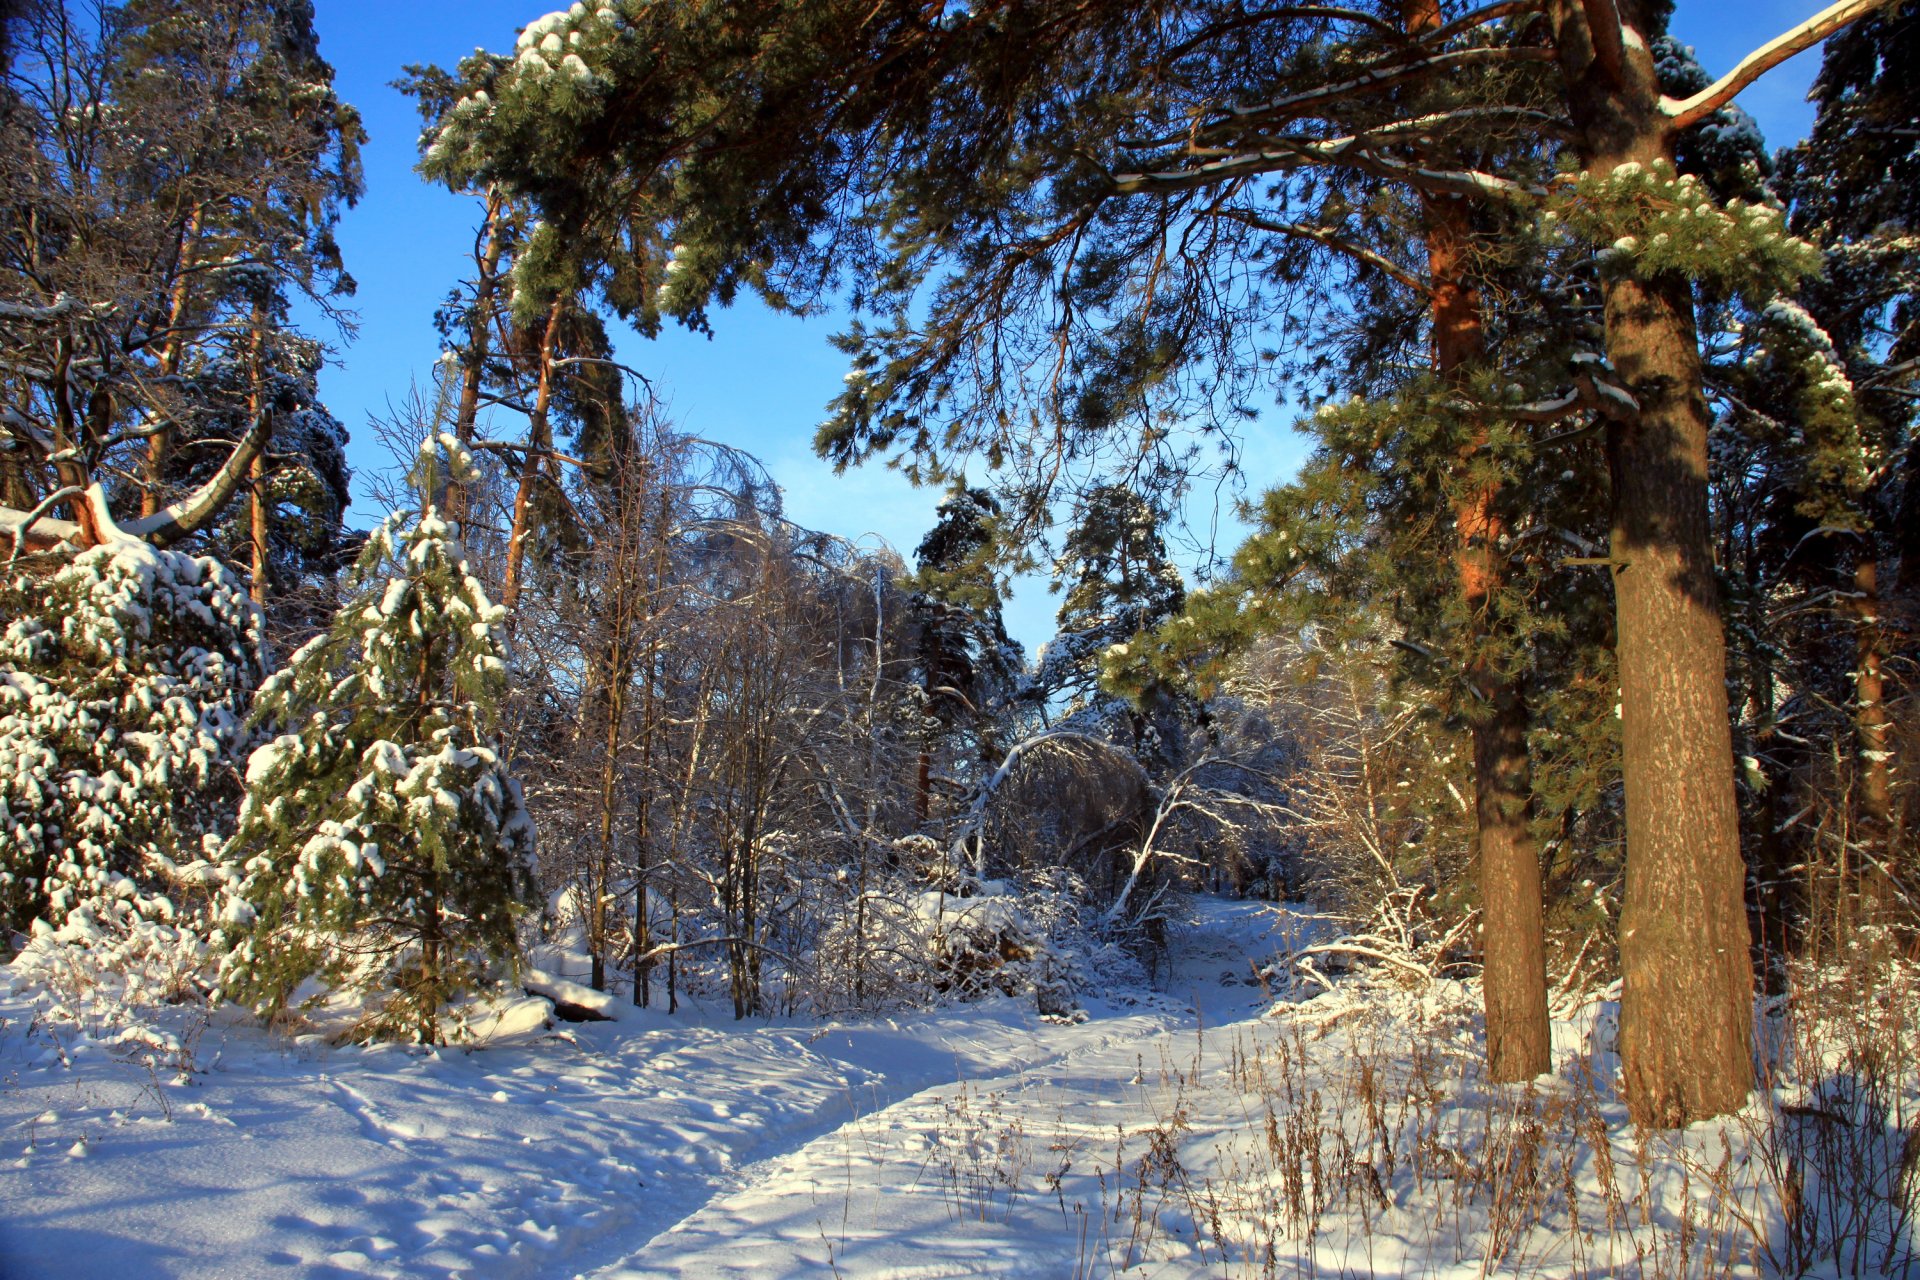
[
  {"x": 385, "y": 845},
  {"x": 967, "y": 665},
  {"x": 1118, "y": 582}
]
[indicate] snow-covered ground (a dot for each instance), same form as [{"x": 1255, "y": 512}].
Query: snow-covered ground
[
  {"x": 1201, "y": 1130},
  {"x": 558, "y": 1154}
]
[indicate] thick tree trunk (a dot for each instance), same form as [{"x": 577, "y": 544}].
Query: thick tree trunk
[
  {"x": 1873, "y": 733},
  {"x": 1686, "y": 1020},
  {"x": 1519, "y": 1043}
]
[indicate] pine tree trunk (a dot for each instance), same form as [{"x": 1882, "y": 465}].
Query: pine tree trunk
[
  {"x": 160, "y": 443},
  {"x": 479, "y": 342},
  {"x": 258, "y": 515},
  {"x": 1519, "y": 1041},
  {"x": 1873, "y": 732},
  {"x": 1514, "y": 975},
  {"x": 1686, "y": 1021},
  {"x": 257, "y": 529},
  {"x": 539, "y": 442}
]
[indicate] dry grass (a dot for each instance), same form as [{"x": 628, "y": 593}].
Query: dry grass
[{"x": 1356, "y": 1135}]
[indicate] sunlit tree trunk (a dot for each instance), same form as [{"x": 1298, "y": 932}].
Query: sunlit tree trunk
[{"x": 1686, "y": 1022}]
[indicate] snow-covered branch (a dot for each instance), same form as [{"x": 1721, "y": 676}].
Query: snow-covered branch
[{"x": 1687, "y": 112}]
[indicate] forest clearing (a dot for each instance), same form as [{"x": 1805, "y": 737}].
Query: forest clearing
[{"x": 894, "y": 638}]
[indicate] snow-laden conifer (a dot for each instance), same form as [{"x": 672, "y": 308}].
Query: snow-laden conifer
[
  {"x": 387, "y": 849},
  {"x": 124, "y": 680}
]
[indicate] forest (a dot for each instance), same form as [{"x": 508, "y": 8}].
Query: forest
[{"x": 1531, "y": 791}]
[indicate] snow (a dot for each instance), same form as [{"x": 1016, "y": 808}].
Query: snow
[
  {"x": 968, "y": 1141},
  {"x": 549, "y": 1154},
  {"x": 565, "y": 991}
]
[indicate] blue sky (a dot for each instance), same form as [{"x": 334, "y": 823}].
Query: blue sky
[{"x": 762, "y": 381}]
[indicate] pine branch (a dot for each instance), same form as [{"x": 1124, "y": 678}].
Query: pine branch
[
  {"x": 1374, "y": 80},
  {"x": 1342, "y": 152},
  {"x": 1607, "y": 37},
  {"x": 1331, "y": 239}
]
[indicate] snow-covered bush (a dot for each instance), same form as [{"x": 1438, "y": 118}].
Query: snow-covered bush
[
  {"x": 912, "y": 944},
  {"x": 124, "y": 683},
  {"x": 387, "y": 851}
]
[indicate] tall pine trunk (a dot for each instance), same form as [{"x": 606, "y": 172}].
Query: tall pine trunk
[
  {"x": 1514, "y": 979},
  {"x": 1686, "y": 1019},
  {"x": 259, "y": 510},
  {"x": 539, "y": 444},
  {"x": 486, "y": 290},
  {"x": 160, "y": 443}
]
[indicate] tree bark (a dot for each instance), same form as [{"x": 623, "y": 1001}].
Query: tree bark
[
  {"x": 160, "y": 443},
  {"x": 539, "y": 442},
  {"x": 1686, "y": 1020},
  {"x": 479, "y": 342},
  {"x": 257, "y": 513},
  {"x": 1514, "y": 972},
  {"x": 1513, "y": 924},
  {"x": 1873, "y": 732},
  {"x": 257, "y": 530}
]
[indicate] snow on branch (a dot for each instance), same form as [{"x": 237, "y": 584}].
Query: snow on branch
[
  {"x": 19, "y": 527},
  {"x": 1690, "y": 111},
  {"x": 177, "y": 520},
  {"x": 34, "y": 530}
]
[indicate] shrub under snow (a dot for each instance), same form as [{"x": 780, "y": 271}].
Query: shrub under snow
[{"x": 124, "y": 683}]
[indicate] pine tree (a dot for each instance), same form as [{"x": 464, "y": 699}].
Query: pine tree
[
  {"x": 1078, "y": 222},
  {"x": 172, "y": 174},
  {"x": 124, "y": 684},
  {"x": 384, "y": 842}
]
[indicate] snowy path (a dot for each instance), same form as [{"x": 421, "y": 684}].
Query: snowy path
[
  {"x": 555, "y": 1159},
  {"x": 976, "y": 1176}
]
